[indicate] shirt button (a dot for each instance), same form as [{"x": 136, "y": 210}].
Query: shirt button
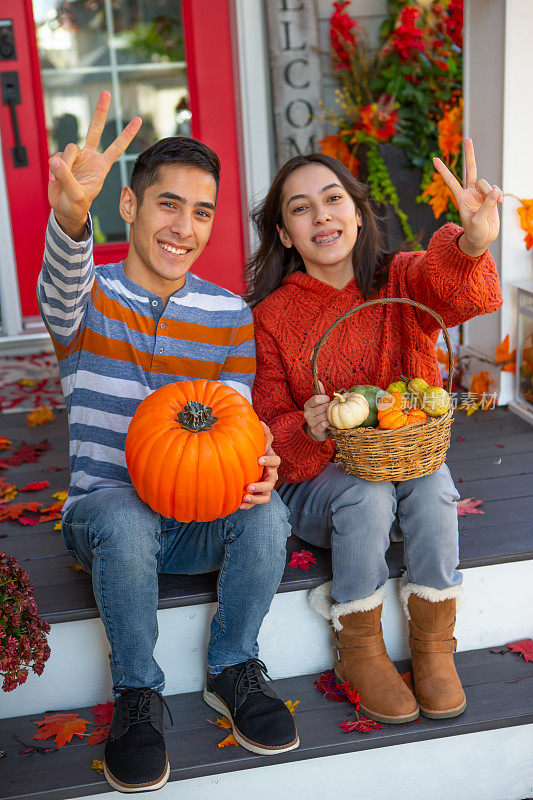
[
  {"x": 154, "y": 302},
  {"x": 161, "y": 351},
  {"x": 162, "y": 325}
]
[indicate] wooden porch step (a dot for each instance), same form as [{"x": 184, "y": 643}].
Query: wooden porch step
[
  {"x": 491, "y": 457},
  {"x": 499, "y": 694}
]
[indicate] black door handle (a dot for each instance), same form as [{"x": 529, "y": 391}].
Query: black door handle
[{"x": 11, "y": 97}]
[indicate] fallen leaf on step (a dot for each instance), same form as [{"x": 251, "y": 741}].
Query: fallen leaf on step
[
  {"x": 228, "y": 740},
  {"x": 14, "y": 510},
  {"x": 327, "y": 684},
  {"x": 499, "y": 650},
  {"x": 302, "y": 559},
  {"x": 352, "y": 695},
  {"x": 221, "y": 722},
  {"x": 78, "y": 568},
  {"x": 292, "y": 705},
  {"x": 469, "y": 506},
  {"x": 406, "y": 678},
  {"x": 5, "y": 444},
  {"x": 362, "y": 725},
  {"x": 62, "y": 726},
  {"x": 103, "y": 714},
  {"x": 36, "y": 486},
  {"x": 26, "y": 454},
  {"x": 98, "y": 735},
  {"x": 41, "y": 415},
  {"x": 523, "y": 647},
  {"x": 98, "y": 766}
]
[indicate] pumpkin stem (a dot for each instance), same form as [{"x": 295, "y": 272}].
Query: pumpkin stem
[
  {"x": 196, "y": 417},
  {"x": 340, "y": 396}
]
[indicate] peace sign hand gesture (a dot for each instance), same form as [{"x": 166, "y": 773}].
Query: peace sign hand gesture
[
  {"x": 78, "y": 174},
  {"x": 477, "y": 204}
]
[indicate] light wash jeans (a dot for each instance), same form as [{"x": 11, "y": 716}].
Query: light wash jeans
[
  {"x": 354, "y": 518},
  {"x": 124, "y": 544}
]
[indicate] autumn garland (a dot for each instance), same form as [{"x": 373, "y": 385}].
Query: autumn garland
[{"x": 407, "y": 91}]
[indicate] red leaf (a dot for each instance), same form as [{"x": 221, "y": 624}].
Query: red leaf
[
  {"x": 352, "y": 695},
  {"x": 362, "y": 725},
  {"x": 27, "y": 453},
  {"x": 28, "y": 520},
  {"x": 460, "y": 439},
  {"x": 103, "y": 713},
  {"x": 406, "y": 678},
  {"x": 327, "y": 684},
  {"x": 469, "y": 506},
  {"x": 62, "y": 726},
  {"x": 302, "y": 559},
  {"x": 98, "y": 735},
  {"x": 14, "y": 510},
  {"x": 524, "y": 647},
  {"x": 36, "y": 486}
]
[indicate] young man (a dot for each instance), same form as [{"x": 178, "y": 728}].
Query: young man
[{"x": 121, "y": 331}]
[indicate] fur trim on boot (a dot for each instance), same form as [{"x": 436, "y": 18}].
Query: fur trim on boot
[
  {"x": 429, "y": 593},
  {"x": 322, "y": 602}
]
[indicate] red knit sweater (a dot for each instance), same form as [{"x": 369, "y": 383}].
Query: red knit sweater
[{"x": 372, "y": 346}]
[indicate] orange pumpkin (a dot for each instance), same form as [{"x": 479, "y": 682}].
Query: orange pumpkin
[
  {"x": 192, "y": 448},
  {"x": 392, "y": 412}
]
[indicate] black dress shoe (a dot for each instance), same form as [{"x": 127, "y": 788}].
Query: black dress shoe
[
  {"x": 135, "y": 757},
  {"x": 261, "y": 721}
]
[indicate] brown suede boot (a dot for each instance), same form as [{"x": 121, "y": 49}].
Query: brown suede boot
[
  {"x": 437, "y": 685},
  {"x": 362, "y": 662}
]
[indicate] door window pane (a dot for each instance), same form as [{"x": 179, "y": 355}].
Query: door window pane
[{"x": 133, "y": 48}]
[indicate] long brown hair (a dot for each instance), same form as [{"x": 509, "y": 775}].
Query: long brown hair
[{"x": 272, "y": 261}]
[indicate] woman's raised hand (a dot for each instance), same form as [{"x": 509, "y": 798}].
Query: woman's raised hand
[
  {"x": 477, "y": 203},
  {"x": 78, "y": 174},
  {"x": 315, "y": 414}
]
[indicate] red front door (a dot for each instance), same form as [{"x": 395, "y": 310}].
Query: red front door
[{"x": 169, "y": 62}]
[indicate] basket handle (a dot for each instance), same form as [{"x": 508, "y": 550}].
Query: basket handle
[{"x": 318, "y": 345}]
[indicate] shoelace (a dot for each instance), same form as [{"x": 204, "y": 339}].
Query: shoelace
[
  {"x": 251, "y": 675},
  {"x": 139, "y": 709}
]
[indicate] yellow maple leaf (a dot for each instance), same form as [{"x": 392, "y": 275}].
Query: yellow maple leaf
[
  {"x": 439, "y": 195},
  {"x": 505, "y": 357},
  {"x": 61, "y": 495},
  {"x": 221, "y": 722},
  {"x": 57, "y": 526},
  {"x": 228, "y": 740},
  {"x": 78, "y": 568},
  {"x": 98, "y": 766},
  {"x": 292, "y": 705},
  {"x": 28, "y": 382},
  {"x": 40, "y": 416}
]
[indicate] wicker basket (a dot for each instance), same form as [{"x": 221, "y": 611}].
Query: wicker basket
[{"x": 397, "y": 455}]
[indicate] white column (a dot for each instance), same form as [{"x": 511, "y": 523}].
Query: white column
[
  {"x": 255, "y": 102},
  {"x": 499, "y": 117}
]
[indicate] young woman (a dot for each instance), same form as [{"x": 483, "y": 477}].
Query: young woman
[{"x": 320, "y": 254}]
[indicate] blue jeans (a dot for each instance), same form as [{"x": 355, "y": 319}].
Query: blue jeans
[
  {"x": 354, "y": 518},
  {"x": 124, "y": 544}
]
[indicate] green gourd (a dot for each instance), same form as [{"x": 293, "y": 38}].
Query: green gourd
[{"x": 370, "y": 393}]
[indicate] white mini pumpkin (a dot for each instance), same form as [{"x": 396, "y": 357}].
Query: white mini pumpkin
[{"x": 347, "y": 410}]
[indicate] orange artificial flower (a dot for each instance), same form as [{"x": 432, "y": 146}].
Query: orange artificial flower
[
  {"x": 450, "y": 130},
  {"x": 525, "y": 212},
  {"x": 439, "y": 195},
  {"x": 337, "y": 148},
  {"x": 505, "y": 357},
  {"x": 480, "y": 384}
]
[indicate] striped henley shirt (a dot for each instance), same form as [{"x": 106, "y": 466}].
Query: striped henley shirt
[{"x": 116, "y": 343}]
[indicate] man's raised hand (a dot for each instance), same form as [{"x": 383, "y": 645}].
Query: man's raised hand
[
  {"x": 78, "y": 174},
  {"x": 476, "y": 202}
]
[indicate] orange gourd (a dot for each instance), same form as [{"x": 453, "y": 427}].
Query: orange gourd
[
  {"x": 392, "y": 412},
  {"x": 192, "y": 448}
]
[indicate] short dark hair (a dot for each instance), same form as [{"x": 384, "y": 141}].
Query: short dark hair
[{"x": 172, "y": 150}]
